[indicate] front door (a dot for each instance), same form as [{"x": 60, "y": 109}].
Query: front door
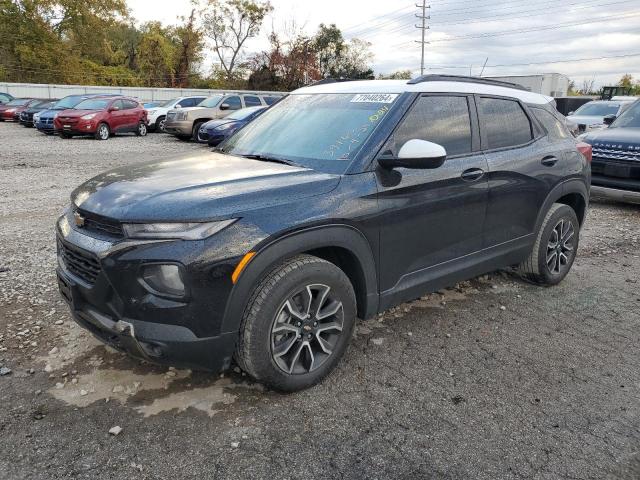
[{"x": 430, "y": 218}]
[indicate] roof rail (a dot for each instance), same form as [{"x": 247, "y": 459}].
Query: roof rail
[
  {"x": 326, "y": 81},
  {"x": 462, "y": 78}
]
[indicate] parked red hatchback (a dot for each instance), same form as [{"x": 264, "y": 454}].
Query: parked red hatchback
[
  {"x": 11, "y": 111},
  {"x": 103, "y": 117}
]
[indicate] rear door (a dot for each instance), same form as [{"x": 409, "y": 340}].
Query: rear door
[
  {"x": 432, "y": 217},
  {"x": 131, "y": 114},
  {"x": 523, "y": 168}
]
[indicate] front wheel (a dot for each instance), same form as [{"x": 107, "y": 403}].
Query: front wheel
[
  {"x": 160, "y": 124},
  {"x": 141, "y": 130},
  {"x": 555, "y": 248},
  {"x": 195, "y": 130},
  {"x": 102, "y": 132},
  {"x": 297, "y": 324}
]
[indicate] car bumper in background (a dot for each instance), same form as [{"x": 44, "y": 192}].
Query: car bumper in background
[{"x": 182, "y": 127}]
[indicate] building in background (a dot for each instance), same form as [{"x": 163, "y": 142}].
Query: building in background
[{"x": 551, "y": 84}]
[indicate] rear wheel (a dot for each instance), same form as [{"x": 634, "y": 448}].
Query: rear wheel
[
  {"x": 141, "y": 130},
  {"x": 195, "y": 130},
  {"x": 297, "y": 324},
  {"x": 555, "y": 248},
  {"x": 102, "y": 132}
]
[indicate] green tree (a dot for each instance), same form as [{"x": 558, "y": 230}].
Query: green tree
[
  {"x": 397, "y": 75},
  {"x": 156, "y": 55}
]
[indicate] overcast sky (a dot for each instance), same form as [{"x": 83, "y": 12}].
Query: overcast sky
[{"x": 546, "y": 30}]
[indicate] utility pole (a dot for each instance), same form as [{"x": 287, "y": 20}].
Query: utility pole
[{"x": 424, "y": 27}]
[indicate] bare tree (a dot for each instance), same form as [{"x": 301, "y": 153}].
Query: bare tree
[{"x": 229, "y": 24}]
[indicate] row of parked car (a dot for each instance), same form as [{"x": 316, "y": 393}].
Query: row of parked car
[{"x": 200, "y": 118}]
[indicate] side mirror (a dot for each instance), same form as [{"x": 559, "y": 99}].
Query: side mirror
[
  {"x": 609, "y": 119},
  {"x": 417, "y": 154},
  {"x": 114, "y": 109},
  {"x": 225, "y": 106},
  {"x": 178, "y": 106},
  {"x": 570, "y": 113}
]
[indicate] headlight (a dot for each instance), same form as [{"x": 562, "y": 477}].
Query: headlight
[
  {"x": 151, "y": 112},
  {"x": 88, "y": 117},
  {"x": 56, "y": 116},
  {"x": 177, "y": 231},
  {"x": 36, "y": 117},
  {"x": 164, "y": 279},
  {"x": 11, "y": 110},
  {"x": 224, "y": 127}
]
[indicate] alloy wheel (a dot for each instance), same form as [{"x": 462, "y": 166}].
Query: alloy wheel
[
  {"x": 103, "y": 132},
  {"x": 142, "y": 129},
  {"x": 306, "y": 329},
  {"x": 161, "y": 125},
  {"x": 561, "y": 246}
]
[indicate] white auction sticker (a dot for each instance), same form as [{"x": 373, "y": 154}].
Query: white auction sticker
[{"x": 374, "y": 98}]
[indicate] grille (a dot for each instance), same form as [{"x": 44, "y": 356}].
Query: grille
[
  {"x": 80, "y": 263},
  {"x": 46, "y": 120},
  {"x": 101, "y": 225},
  {"x": 616, "y": 154}
]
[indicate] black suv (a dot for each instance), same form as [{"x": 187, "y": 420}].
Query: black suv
[
  {"x": 616, "y": 156},
  {"x": 342, "y": 200}
]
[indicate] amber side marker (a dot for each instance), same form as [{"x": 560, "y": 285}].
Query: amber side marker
[{"x": 243, "y": 263}]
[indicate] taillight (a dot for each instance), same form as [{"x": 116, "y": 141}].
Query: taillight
[{"x": 586, "y": 150}]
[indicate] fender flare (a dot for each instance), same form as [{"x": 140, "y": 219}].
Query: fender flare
[
  {"x": 559, "y": 191},
  {"x": 274, "y": 251}
]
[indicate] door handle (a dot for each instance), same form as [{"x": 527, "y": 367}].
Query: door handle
[
  {"x": 549, "y": 161},
  {"x": 472, "y": 174}
]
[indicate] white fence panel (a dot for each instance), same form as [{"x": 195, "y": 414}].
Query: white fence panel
[{"x": 37, "y": 90}]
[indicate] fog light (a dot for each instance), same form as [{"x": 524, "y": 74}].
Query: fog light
[{"x": 164, "y": 279}]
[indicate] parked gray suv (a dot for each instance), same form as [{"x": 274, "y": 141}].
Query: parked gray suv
[{"x": 186, "y": 122}]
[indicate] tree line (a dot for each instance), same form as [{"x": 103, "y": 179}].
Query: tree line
[{"x": 98, "y": 42}]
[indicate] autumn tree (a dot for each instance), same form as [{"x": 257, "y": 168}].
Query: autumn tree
[{"x": 229, "y": 24}]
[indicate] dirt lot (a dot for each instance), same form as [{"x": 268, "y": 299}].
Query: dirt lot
[{"x": 494, "y": 379}]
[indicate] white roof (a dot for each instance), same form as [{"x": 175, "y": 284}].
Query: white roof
[{"x": 402, "y": 86}]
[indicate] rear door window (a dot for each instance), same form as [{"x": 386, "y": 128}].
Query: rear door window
[
  {"x": 503, "y": 123},
  {"x": 271, "y": 100},
  {"x": 129, "y": 104},
  {"x": 251, "y": 101},
  {"x": 444, "y": 120}
]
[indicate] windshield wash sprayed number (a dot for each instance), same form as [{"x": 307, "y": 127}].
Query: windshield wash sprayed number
[{"x": 352, "y": 139}]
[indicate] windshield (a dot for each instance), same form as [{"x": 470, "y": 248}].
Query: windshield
[
  {"x": 93, "y": 104},
  {"x": 629, "y": 119},
  {"x": 598, "y": 109},
  {"x": 19, "y": 101},
  {"x": 307, "y": 129},
  {"x": 169, "y": 103},
  {"x": 244, "y": 113},
  {"x": 211, "y": 102},
  {"x": 68, "y": 102}
]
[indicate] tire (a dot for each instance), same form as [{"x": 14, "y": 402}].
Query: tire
[
  {"x": 141, "y": 129},
  {"x": 284, "y": 290},
  {"x": 160, "y": 124},
  {"x": 194, "y": 131},
  {"x": 102, "y": 132},
  {"x": 545, "y": 265}
]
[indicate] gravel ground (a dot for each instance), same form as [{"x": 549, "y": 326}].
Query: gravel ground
[{"x": 493, "y": 379}]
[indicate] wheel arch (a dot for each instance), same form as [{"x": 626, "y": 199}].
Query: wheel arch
[
  {"x": 343, "y": 245},
  {"x": 574, "y": 193}
]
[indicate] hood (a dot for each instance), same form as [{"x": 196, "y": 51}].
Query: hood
[
  {"x": 70, "y": 113},
  {"x": 615, "y": 137},
  {"x": 211, "y": 124},
  {"x": 185, "y": 109},
  {"x": 586, "y": 119},
  {"x": 200, "y": 187}
]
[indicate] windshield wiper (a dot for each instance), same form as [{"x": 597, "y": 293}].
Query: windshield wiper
[{"x": 266, "y": 158}]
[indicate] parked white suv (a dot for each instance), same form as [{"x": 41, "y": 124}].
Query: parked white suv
[{"x": 158, "y": 115}]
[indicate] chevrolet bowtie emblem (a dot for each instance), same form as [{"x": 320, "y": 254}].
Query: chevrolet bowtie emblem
[{"x": 79, "y": 219}]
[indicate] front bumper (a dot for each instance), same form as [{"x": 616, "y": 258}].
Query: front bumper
[
  {"x": 181, "y": 127},
  {"x": 114, "y": 306},
  {"x": 77, "y": 128}
]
